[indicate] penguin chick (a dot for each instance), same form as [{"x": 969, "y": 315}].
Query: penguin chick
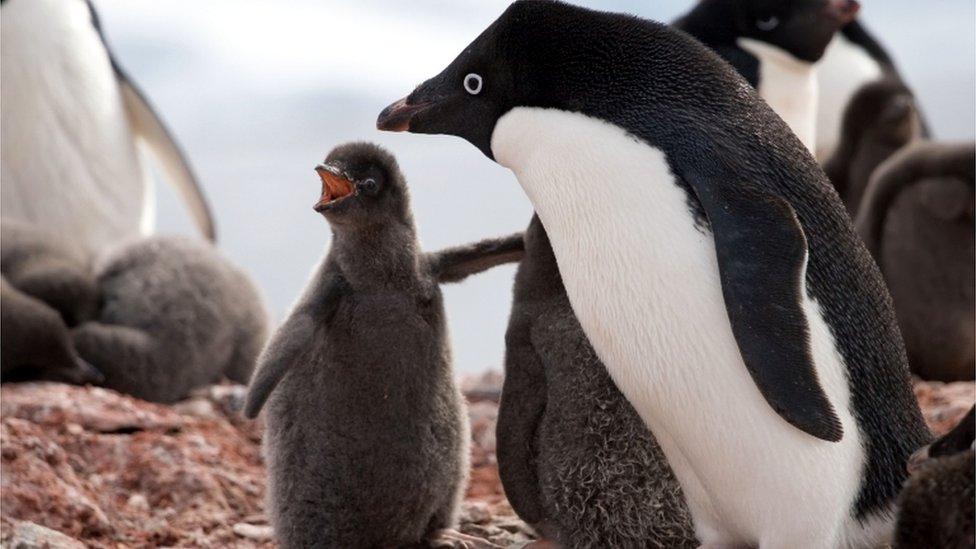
[
  {"x": 882, "y": 117},
  {"x": 34, "y": 342},
  {"x": 937, "y": 506},
  {"x": 42, "y": 266},
  {"x": 917, "y": 220},
  {"x": 575, "y": 459},
  {"x": 175, "y": 315},
  {"x": 367, "y": 433}
]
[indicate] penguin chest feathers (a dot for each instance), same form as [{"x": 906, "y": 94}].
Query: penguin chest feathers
[
  {"x": 789, "y": 86},
  {"x": 642, "y": 277}
]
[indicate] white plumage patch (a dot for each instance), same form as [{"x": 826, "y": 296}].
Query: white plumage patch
[
  {"x": 644, "y": 282},
  {"x": 789, "y": 85},
  {"x": 844, "y": 69},
  {"x": 69, "y": 162}
]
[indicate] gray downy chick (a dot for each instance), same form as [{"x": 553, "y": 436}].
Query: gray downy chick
[
  {"x": 917, "y": 220},
  {"x": 176, "y": 314},
  {"x": 43, "y": 266},
  {"x": 367, "y": 433},
  {"x": 35, "y": 343},
  {"x": 937, "y": 506},
  {"x": 881, "y": 118},
  {"x": 575, "y": 459}
]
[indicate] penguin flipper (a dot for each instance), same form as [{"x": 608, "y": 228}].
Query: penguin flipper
[
  {"x": 762, "y": 256},
  {"x": 520, "y": 411},
  {"x": 457, "y": 263},
  {"x": 291, "y": 339},
  {"x": 147, "y": 125},
  {"x": 280, "y": 353}
]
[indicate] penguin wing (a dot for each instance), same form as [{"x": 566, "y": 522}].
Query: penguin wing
[
  {"x": 762, "y": 255},
  {"x": 523, "y": 403},
  {"x": 457, "y": 263},
  {"x": 147, "y": 125},
  {"x": 290, "y": 341}
]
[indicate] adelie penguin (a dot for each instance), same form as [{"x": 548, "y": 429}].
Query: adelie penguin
[
  {"x": 175, "y": 314},
  {"x": 709, "y": 262},
  {"x": 367, "y": 433},
  {"x": 775, "y": 46},
  {"x": 71, "y": 123},
  {"x": 575, "y": 459},
  {"x": 938, "y": 504},
  {"x": 916, "y": 217}
]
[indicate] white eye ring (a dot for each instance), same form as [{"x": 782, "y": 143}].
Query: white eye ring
[
  {"x": 472, "y": 83},
  {"x": 768, "y": 24}
]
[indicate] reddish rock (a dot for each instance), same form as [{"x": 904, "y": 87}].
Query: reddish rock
[{"x": 113, "y": 471}]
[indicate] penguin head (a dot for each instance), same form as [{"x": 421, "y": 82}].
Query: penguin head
[
  {"x": 802, "y": 28},
  {"x": 362, "y": 185},
  {"x": 466, "y": 99},
  {"x": 883, "y": 111}
]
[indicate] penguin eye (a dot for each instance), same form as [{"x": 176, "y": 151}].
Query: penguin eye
[
  {"x": 472, "y": 83},
  {"x": 370, "y": 185},
  {"x": 768, "y": 23}
]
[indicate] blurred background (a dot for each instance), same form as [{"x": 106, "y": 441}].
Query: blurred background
[{"x": 258, "y": 92}]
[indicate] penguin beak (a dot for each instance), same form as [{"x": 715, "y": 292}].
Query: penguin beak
[
  {"x": 335, "y": 186},
  {"x": 843, "y": 11},
  {"x": 397, "y": 116}
]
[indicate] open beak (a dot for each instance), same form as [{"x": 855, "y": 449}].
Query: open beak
[
  {"x": 843, "y": 11},
  {"x": 335, "y": 186},
  {"x": 396, "y": 117}
]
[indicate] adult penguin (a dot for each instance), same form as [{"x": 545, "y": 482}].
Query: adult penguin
[
  {"x": 709, "y": 261},
  {"x": 71, "y": 118}
]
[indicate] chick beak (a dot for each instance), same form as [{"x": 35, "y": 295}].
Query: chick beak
[{"x": 335, "y": 186}]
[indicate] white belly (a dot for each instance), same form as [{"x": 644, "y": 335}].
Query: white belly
[
  {"x": 789, "y": 86},
  {"x": 644, "y": 282},
  {"x": 68, "y": 157},
  {"x": 843, "y": 70}
]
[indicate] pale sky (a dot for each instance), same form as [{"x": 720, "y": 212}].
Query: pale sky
[{"x": 258, "y": 92}]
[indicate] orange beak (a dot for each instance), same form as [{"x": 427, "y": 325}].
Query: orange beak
[{"x": 335, "y": 186}]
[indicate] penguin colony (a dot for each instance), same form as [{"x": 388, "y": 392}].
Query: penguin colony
[{"x": 701, "y": 348}]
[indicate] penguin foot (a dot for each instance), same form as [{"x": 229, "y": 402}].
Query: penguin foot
[{"x": 452, "y": 539}]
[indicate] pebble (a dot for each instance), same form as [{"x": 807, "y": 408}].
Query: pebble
[
  {"x": 253, "y": 531},
  {"x": 28, "y": 535}
]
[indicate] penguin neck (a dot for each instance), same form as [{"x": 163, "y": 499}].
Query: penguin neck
[{"x": 377, "y": 256}]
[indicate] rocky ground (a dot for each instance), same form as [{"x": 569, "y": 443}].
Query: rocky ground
[{"x": 85, "y": 466}]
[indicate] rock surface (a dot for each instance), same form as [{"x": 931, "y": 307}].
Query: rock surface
[{"x": 85, "y": 466}]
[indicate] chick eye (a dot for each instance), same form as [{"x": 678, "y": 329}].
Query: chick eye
[
  {"x": 768, "y": 23},
  {"x": 370, "y": 185},
  {"x": 472, "y": 83}
]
